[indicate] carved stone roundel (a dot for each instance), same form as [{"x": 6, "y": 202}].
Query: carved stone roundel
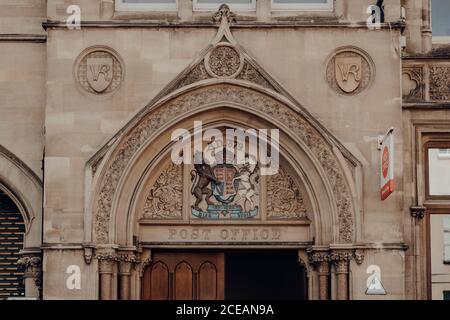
[
  {"x": 349, "y": 71},
  {"x": 223, "y": 62},
  {"x": 99, "y": 71}
]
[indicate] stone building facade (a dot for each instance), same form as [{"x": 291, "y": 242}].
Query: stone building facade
[{"x": 92, "y": 207}]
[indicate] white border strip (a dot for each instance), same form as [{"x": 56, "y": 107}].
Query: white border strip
[
  {"x": 121, "y": 6},
  {"x": 302, "y": 6},
  {"x": 233, "y": 6}
]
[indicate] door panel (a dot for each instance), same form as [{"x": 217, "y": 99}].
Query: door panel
[
  {"x": 183, "y": 286},
  {"x": 207, "y": 281},
  {"x": 159, "y": 281},
  {"x": 184, "y": 276}
]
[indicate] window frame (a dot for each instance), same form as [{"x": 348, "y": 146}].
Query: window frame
[
  {"x": 329, "y": 6},
  {"x": 121, "y": 6},
  {"x": 215, "y": 6},
  {"x": 437, "y": 39},
  {"x": 433, "y": 145}
]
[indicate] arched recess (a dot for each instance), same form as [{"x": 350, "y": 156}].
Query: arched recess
[
  {"x": 211, "y": 100},
  {"x": 24, "y": 187}
]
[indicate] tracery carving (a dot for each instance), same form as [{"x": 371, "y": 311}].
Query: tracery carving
[
  {"x": 226, "y": 93},
  {"x": 284, "y": 199},
  {"x": 223, "y": 61},
  {"x": 415, "y": 76},
  {"x": 166, "y": 195}
]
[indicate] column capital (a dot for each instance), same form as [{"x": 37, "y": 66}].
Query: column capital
[
  {"x": 418, "y": 212},
  {"x": 341, "y": 259},
  {"x": 31, "y": 264}
]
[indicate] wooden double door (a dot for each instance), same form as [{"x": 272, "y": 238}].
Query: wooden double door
[
  {"x": 234, "y": 275},
  {"x": 185, "y": 276}
]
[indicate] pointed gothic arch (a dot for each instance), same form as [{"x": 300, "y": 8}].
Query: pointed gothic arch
[
  {"x": 24, "y": 188},
  {"x": 225, "y": 86}
]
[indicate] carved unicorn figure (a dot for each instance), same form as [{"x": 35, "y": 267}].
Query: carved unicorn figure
[{"x": 248, "y": 178}]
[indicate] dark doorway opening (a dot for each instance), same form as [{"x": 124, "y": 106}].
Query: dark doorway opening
[{"x": 264, "y": 275}]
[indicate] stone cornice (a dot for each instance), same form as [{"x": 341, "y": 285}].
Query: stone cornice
[
  {"x": 52, "y": 24},
  {"x": 426, "y": 106},
  {"x": 37, "y": 38}
]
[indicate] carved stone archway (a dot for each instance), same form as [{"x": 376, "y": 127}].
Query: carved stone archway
[
  {"x": 222, "y": 79},
  {"x": 24, "y": 187}
]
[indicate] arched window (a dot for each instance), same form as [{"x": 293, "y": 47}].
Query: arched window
[{"x": 12, "y": 230}]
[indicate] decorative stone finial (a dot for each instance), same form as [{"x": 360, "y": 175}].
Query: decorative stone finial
[{"x": 224, "y": 13}]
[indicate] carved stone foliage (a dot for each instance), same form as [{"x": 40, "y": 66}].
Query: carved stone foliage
[
  {"x": 99, "y": 70},
  {"x": 349, "y": 71},
  {"x": 166, "y": 195},
  {"x": 440, "y": 82},
  {"x": 32, "y": 268},
  {"x": 256, "y": 102},
  {"x": 413, "y": 83},
  {"x": 224, "y": 12},
  {"x": 197, "y": 73},
  {"x": 284, "y": 199},
  {"x": 249, "y": 73}
]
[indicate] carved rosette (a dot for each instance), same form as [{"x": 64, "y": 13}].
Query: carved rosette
[
  {"x": 284, "y": 200},
  {"x": 224, "y": 61},
  {"x": 413, "y": 83},
  {"x": 255, "y": 101},
  {"x": 166, "y": 195},
  {"x": 440, "y": 82},
  {"x": 32, "y": 268}
]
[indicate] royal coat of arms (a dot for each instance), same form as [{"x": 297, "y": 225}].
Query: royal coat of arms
[{"x": 225, "y": 191}]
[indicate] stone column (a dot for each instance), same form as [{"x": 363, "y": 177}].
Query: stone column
[
  {"x": 31, "y": 264},
  {"x": 427, "y": 41},
  {"x": 341, "y": 261},
  {"x": 321, "y": 262},
  {"x": 124, "y": 280},
  {"x": 126, "y": 260},
  {"x": 418, "y": 213},
  {"x": 106, "y": 264}
]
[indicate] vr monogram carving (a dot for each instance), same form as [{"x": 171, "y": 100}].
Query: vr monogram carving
[
  {"x": 99, "y": 71},
  {"x": 349, "y": 71}
]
